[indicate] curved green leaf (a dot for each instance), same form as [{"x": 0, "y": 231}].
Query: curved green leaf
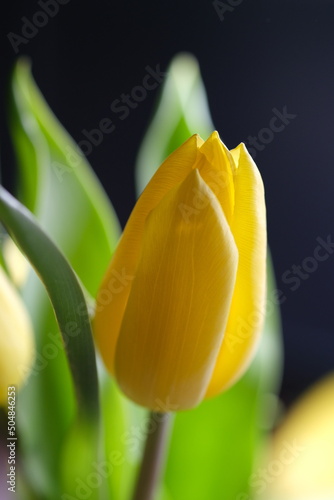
[
  {"x": 66, "y": 296},
  {"x": 72, "y": 315}
]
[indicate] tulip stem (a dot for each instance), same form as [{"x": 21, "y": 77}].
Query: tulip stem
[{"x": 154, "y": 456}]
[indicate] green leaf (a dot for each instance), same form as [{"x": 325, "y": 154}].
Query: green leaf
[
  {"x": 66, "y": 296},
  {"x": 58, "y": 185},
  {"x": 2, "y": 239},
  {"x": 69, "y": 305},
  {"x": 115, "y": 423},
  {"x": 181, "y": 112},
  {"x": 56, "y": 182}
]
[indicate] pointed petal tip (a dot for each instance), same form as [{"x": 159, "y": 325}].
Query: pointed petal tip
[
  {"x": 215, "y": 140},
  {"x": 197, "y": 139},
  {"x": 243, "y": 151},
  {"x": 214, "y": 136},
  {"x": 241, "y": 155}
]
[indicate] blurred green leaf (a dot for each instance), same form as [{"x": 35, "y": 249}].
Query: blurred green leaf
[
  {"x": 115, "y": 424},
  {"x": 69, "y": 306},
  {"x": 58, "y": 185},
  {"x": 66, "y": 297},
  {"x": 214, "y": 448},
  {"x": 181, "y": 112},
  {"x": 2, "y": 239}
]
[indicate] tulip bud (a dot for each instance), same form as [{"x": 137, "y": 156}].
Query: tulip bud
[
  {"x": 181, "y": 307},
  {"x": 16, "y": 338}
]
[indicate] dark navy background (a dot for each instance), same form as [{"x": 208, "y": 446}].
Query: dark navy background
[{"x": 263, "y": 58}]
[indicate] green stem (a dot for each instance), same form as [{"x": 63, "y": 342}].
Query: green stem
[{"x": 154, "y": 456}]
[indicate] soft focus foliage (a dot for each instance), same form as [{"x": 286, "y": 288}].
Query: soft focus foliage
[{"x": 56, "y": 182}]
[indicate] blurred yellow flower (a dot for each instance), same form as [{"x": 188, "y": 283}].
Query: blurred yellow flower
[
  {"x": 17, "y": 264},
  {"x": 16, "y": 338},
  {"x": 181, "y": 307},
  {"x": 307, "y": 471}
]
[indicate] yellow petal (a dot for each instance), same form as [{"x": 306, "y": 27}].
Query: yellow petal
[
  {"x": 246, "y": 318},
  {"x": 179, "y": 302},
  {"x": 16, "y": 338},
  {"x": 115, "y": 288},
  {"x": 216, "y": 166}
]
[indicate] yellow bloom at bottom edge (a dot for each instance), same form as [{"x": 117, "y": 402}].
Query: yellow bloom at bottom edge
[{"x": 300, "y": 464}]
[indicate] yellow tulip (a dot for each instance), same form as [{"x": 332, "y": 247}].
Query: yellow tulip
[
  {"x": 16, "y": 339},
  {"x": 300, "y": 461},
  {"x": 181, "y": 307}
]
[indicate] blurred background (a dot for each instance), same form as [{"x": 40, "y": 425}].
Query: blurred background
[{"x": 268, "y": 70}]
